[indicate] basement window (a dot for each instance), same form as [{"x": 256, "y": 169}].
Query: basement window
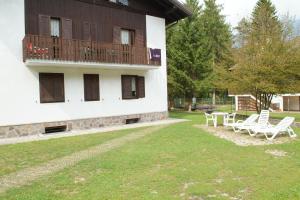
[
  {"x": 132, "y": 121},
  {"x": 55, "y": 129}
]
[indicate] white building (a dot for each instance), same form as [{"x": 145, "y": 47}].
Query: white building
[{"x": 78, "y": 64}]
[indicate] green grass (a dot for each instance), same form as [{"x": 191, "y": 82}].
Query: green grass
[
  {"x": 20, "y": 156},
  {"x": 277, "y": 115},
  {"x": 176, "y": 162}
]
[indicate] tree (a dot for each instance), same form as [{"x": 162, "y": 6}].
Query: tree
[
  {"x": 186, "y": 65},
  {"x": 219, "y": 41},
  {"x": 267, "y": 59},
  {"x": 195, "y": 46}
]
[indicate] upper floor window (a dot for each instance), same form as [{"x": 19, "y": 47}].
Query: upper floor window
[
  {"x": 127, "y": 37},
  {"x": 55, "y": 27},
  {"x": 122, "y": 2}
]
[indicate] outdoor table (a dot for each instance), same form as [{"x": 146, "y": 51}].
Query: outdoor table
[{"x": 216, "y": 114}]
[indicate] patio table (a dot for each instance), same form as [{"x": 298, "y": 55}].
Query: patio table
[{"x": 216, "y": 115}]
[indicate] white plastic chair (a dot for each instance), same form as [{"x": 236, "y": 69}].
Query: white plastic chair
[
  {"x": 210, "y": 117},
  {"x": 229, "y": 119},
  {"x": 243, "y": 125},
  {"x": 282, "y": 127}
]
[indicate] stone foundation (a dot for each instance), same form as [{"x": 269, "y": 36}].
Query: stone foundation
[{"x": 80, "y": 124}]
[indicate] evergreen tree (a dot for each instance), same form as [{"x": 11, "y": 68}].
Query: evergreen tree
[
  {"x": 217, "y": 33},
  {"x": 184, "y": 50},
  {"x": 195, "y": 46}
]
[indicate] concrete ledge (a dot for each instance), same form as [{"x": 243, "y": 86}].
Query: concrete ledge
[{"x": 40, "y": 137}]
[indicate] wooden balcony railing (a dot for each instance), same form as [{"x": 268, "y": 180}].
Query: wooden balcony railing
[{"x": 57, "y": 49}]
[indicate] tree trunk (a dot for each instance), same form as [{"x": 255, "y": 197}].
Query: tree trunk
[
  {"x": 256, "y": 101},
  {"x": 214, "y": 98}
]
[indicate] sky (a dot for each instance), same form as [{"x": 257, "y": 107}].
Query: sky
[{"x": 235, "y": 10}]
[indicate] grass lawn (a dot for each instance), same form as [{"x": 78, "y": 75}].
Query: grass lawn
[{"x": 176, "y": 162}]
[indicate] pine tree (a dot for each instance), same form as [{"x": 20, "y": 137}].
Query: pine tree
[
  {"x": 184, "y": 50},
  {"x": 219, "y": 42},
  {"x": 195, "y": 46},
  {"x": 218, "y": 34}
]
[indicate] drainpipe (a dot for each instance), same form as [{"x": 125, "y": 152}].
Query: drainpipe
[{"x": 171, "y": 25}]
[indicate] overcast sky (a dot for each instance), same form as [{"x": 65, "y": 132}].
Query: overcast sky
[{"x": 235, "y": 10}]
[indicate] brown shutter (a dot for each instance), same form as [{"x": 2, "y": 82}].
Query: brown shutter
[
  {"x": 126, "y": 87},
  {"x": 117, "y": 35},
  {"x": 91, "y": 87},
  {"x": 51, "y": 87},
  {"x": 44, "y": 25},
  {"x": 59, "y": 88},
  {"x": 86, "y": 31},
  {"x": 67, "y": 28},
  {"x": 141, "y": 87},
  {"x": 94, "y": 32},
  {"x": 139, "y": 38}
]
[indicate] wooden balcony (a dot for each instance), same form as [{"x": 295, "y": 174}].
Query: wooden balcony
[{"x": 56, "y": 50}]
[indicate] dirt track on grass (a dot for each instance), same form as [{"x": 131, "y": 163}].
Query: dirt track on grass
[{"x": 27, "y": 176}]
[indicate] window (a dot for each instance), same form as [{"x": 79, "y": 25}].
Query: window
[
  {"x": 122, "y": 2},
  {"x": 91, "y": 87},
  {"x": 51, "y": 87},
  {"x": 127, "y": 37},
  {"x": 133, "y": 87},
  {"x": 55, "y": 27}
]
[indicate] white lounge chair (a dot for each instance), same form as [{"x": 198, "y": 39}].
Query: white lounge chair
[
  {"x": 243, "y": 125},
  {"x": 210, "y": 117},
  {"x": 272, "y": 131},
  {"x": 263, "y": 122}
]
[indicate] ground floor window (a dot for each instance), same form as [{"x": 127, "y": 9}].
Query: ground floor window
[
  {"x": 91, "y": 87},
  {"x": 52, "y": 87},
  {"x": 133, "y": 87}
]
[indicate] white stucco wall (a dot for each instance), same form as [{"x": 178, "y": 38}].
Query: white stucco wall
[{"x": 19, "y": 85}]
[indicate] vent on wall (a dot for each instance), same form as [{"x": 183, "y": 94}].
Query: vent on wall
[
  {"x": 132, "y": 121},
  {"x": 55, "y": 129}
]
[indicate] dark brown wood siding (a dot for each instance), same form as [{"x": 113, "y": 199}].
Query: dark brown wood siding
[
  {"x": 91, "y": 87},
  {"x": 89, "y": 21},
  {"x": 52, "y": 87},
  {"x": 246, "y": 103}
]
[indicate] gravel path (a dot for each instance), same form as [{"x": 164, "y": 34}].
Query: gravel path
[
  {"x": 243, "y": 139},
  {"x": 27, "y": 176}
]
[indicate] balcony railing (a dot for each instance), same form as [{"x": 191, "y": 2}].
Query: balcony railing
[{"x": 57, "y": 49}]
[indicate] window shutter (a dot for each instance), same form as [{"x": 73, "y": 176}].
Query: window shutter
[
  {"x": 59, "y": 88},
  {"x": 44, "y": 25},
  {"x": 67, "y": 28},
  {"x": 117, "y": 35},
  {"x": 126, "y": 87},
  {"x": 141, "y": 87},
  {"x": 139, "y": 38},
  {"x": 91, "y": 87},
  {"x": 51, "y": 87},
  {"x": 86, "y": 31}
]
